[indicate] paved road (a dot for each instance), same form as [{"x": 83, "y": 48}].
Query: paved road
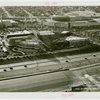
[
  {"x": 8, "y": 14},
  {"x": 28, "y": 13},
  {"x": 45, "y": 65},
  {"x": 34, "y": 83}
]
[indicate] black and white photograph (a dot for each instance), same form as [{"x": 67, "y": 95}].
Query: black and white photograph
[{"x": 50, "y": 48}]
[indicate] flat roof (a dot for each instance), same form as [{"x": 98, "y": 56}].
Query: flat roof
[
  {"x": 19, "y": 32},
  {"x": 30, "y": 42},
  {"x": 64, "y": 32},
  {"x": 7, "y": 20},
  {"x": 46, "y": 33},
  {"x": 74, "y": 38}
]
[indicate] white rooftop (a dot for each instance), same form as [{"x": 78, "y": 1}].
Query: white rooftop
[
  {"x": 30, "y": 42},
  {"x": 46, "y": 33},
  {"x": 64, "y": 32},
  {"x": 20, "y": 32},
  {"x": 74, "y": 38},
  {"x": 7, "y": 20}
]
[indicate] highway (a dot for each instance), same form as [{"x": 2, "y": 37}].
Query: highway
[
  {"x": 41, "y": 82},
  {"x": 37, "y": 82},
  {"x": 45, "y": 65},
  {"x": 18, "y": 76},
  {"x": 40, "y": 74}
]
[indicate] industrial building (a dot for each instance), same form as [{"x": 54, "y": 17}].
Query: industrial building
[
  {"x": 45, "y": 49},
  {"x": 74, "y": 19}
]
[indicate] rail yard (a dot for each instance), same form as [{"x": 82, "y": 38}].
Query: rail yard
[{"x": 49, "y": 49}]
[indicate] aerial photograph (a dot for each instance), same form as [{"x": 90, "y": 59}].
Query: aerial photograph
[{"x": 49, "y": 48}]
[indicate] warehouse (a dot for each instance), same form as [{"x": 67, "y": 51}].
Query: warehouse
[
  {"x": 8, "y": 23},
  {"x": 75, "y": 41}
]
